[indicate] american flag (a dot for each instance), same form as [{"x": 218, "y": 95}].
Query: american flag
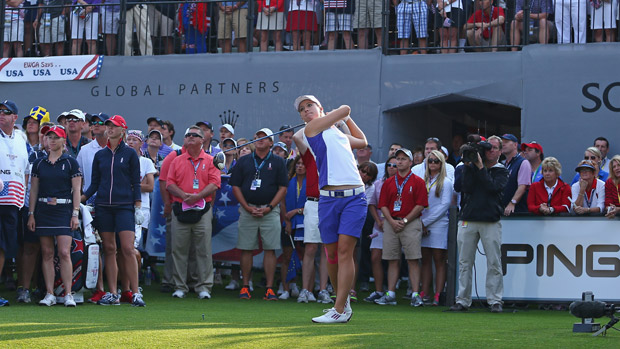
[{"x": 13, "y": 193}]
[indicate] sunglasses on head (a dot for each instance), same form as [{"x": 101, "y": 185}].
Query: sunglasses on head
[
  {"x": 434, "y": 161},
  {"x": 5, "y": 112},
  {"x": 433, "y": 139},
  {"x": 391, "y": 165},
  {"x": 195, "y": 135}
]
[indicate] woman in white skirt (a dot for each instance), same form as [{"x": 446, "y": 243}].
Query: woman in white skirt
[
  {"x": 603, "y": 19},
  {"x": 270, "y": 19},
  {"x": 84, "y": 26},
  {"x": 435, "y": 221}
]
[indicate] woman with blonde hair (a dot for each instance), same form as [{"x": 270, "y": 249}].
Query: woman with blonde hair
[
  {"x": 435, "y": 225},
  {"x": 594, "y": 155},
  {"x": 549, "y": 195},
  {"x": 612, "y": 188}
]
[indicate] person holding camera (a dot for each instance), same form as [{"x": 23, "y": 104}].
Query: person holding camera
[{"x": 482, "y": 183}]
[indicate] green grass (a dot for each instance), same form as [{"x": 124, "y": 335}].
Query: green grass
[{"x": 230, "y": 322}]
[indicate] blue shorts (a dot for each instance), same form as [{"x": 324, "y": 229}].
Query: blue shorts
[
  {"x": 9, "y": 216},
  {"x": 23, "y": 233},
  {"x": 115, "y": 218},
  {"x": 338, "y": 215}
]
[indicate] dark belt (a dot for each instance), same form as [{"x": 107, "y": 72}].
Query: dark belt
[
  {"x": 397, "y": 218},
  {"x": 310, "y": 198}
]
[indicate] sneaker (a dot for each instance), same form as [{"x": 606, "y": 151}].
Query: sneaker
[
  {"x": 497, "y": 308},
  {"x": 303, "y": 296},
  {"x": 232, "y": 285},
  {"x": 3, "y": 302},
  {"x": 137, "y": 301},
  {"x": 311, "y": 297},
  {"x": 458, "y": 307},
  {"x": 280, "y": 289},
  {"x": 409, "y": 294},
  {"x": 97, "y": 295},
  {"x": 285, "y": 295},
  {"x": 364, "y": 287},
  {"x": 331, "y": 316},
  {"x": 245, "y": 293},
  {"x": 353, "y": 296},
  {"x": 436, "y": 299},
  {"x": 386, "y": 300},
  {"x": 416, "y": 301},
  {"x": 270, "y": 296},
  {"x": 294, "y": 289},
  {"x": 126, "y": 297},
  {"x": 69, "y": 301},
  {"x": 110, "y": 299},
  {"x": 178, "y": 294},
  {"x": 330, "y": 288},
  {"x": 324, "y": 297},
  {"x": 23, "y": 295},
  {"x": 204, "y": 295},
  {"x": 48, "y": 300},
  {"x": 373, "y": 297},
  {"x": 347, "y": 307}
]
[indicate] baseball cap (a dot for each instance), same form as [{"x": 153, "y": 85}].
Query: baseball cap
[
  {"x": 62, "y": 115},
  {"x": 280, "y": 145},
  {"x": 161, "y": 137},
  {"x": 206, "y": 123},
  {"x": 101, "y": 116},
  {"x": 266, "y": 131},
  {"x": 152, "y": 118},
  {"x": 136, "y": 133},
  {"x": 10, "y": 105},
  {"x": 532, "y": 144},
  {"x": 58, "y": 130},
  {"x": 406, "y": 152},
  {"x": 230, "y": 139},
  {"x": 78, "y": 114},
  {"x": 117, "y": 120},
  {"x": 584, "y": 164},
  {"x": 510, "y": 137},
  {"x": 300, "y": 99},
  {"x": 228, "y": 127}
]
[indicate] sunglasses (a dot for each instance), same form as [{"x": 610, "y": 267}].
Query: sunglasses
[
  {"x": 391, "y": 165},
  {"x": 228, "y": 145},
  {"x": 434, "y": 161},
  {"x": 589, "y": 157},
  {"x": 432, "y": 139},
  {"x": 195, "y": 135},
  {"x": 5, "y": 112},
  {"x": 95, "y": 123},
  {"x": 73, "y": 120}
]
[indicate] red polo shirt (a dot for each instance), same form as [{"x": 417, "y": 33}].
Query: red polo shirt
[
  {"x": 413, "y": 194},
  {"x": 181, "y": 173}
]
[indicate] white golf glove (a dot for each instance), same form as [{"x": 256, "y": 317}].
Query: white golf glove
[{"x": 138, "y": 215}]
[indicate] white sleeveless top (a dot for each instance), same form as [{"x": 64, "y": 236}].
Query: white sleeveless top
[{"x": 14, "y": 167}]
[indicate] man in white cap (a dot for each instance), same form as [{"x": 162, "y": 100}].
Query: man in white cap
[
  {"x": 75, "y": 120},
  {"x": 226, "y": 131}
]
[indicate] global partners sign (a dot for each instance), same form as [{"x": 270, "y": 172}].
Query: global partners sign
[
  {"x": 547, "y": 259},
  {"x": 50, "y": 68}
]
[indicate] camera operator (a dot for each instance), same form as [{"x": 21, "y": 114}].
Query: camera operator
[{"x": 482, "y": 185}]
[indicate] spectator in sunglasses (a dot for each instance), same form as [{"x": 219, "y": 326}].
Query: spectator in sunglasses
[
  {"x": 594, "y": 155},
  {"x": 433, "y": 143}
]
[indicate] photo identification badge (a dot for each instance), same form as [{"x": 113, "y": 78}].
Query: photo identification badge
[
  {"x": 195, "y": 185},
  {"x": 396, "y": 205},
  {"x": 255, "y": 184}
]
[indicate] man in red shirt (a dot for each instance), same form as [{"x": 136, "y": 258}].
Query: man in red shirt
[
  {"x": 485, "y": 26},
  {"x": 402, "y": 199},
  {"x": 192, "y": 180}
]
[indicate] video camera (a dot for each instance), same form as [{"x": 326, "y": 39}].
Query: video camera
[{"x": 471, "y": 150}]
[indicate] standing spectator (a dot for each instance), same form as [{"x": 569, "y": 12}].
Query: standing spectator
[
  {"x": 167, "y": 131},
  {"x": 533, "y": 152},
  {"x": 207, "y": 129},
  {"x": 588, "y": 194},
  {"x": 110, "y": 16},
  {"x": 549, "y": 195},
  {"x": 62, "y": 119},
  {"x": 433, "y": 143},
  {"x": 50, "y": 23},
  {"x": 603, "y": 19},
  {"x": 161, "y": 17},
  {"x": 571, "y": 14},
  {"x": 193, "y": 25},
  {"x": 30, "y": 6},
  {"x": 368, "y": 16},
  {"x": 232, "y": 17},
  {"x": 75, "y": 140},
  {"x": 403, "y": 197},
  {"x": 154, "y": 142},
  {"x": 482, "y": 186},
  {"x": 612, "y": 188},
  {"x": 245, "y": 149},
  {"x": 231, "y": 155},
  {"x": 449, "y": 18},
  {"x": 391, "y": 151},
  {"x": 602, "y": 144},
  {"x": 157, "y": 125},
  {"x": 13, "y": 28},
  {"x": 594, "y": 155},
  {"x": 408, "y": 12},
  {"x": 54, "y": 190},
  {"x": 363, "y": 155},
  {"x": 270, "y": 19},
  {"x": 135, "y": 138},
  {"x": 435, "y": 224},
  {"x": 455, "y": 155},
  {"x": 226, "y": 131},
  {"x": 84, "y": 26},
  {"x": 287, "y": 139},
  {"x": 302, "y": 22},
  {"x": 418, "y": 156},
  {"x": 539, "y": 12},
  {"x": 486, "y": 26},
  {"x": 14, "y": 180},
  {"x": 514, "y": 198},
  {"x": 192, "y": 180},
  {"x": 279, "y": 149},
  {"x": 116, "y": 179},
  {"x": 368, "y": 173},
  {"x": 259, "y": 183},
  {"x": 30, "y": 126},
  {"x": 338, "y": 20},
  {"x": 137, "y": 16}
]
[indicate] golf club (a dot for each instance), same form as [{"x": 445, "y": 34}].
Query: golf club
[{"x": 219, "y": 159}]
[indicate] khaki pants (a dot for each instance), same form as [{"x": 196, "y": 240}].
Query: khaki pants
[
  {"x": 199, "y": 236},
  {"x": 490, "y": 233},
  {"x": 138, "y": 16}
]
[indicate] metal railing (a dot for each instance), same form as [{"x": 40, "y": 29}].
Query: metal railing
[{"x": 136, "y": 27}]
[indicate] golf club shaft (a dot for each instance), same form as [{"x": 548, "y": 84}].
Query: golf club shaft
[{"x": 261, "y": 138}]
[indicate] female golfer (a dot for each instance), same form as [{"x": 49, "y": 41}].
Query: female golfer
[
  {"x": 116, "y": 179},
  {"x": 54, "y": 192},
  {"x": 342, "y": 202}
]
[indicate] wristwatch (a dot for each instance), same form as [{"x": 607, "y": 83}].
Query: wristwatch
[
  {"x": 405, "y": 220},
  {"x": 270, "y": 207},
  {"x": 514, "y": 202},
  {"x": 299, "y": 211}
]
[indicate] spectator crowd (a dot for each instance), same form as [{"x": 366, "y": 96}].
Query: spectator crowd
[
  {"x": 138, "y": 27},
  {"x": 51, "y": 165}
]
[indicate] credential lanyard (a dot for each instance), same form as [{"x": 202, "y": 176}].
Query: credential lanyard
[
  {"x": 258, "y": 167},
  {"x": 195, "y": 167},
  {"x": 399, "y": 188}
]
